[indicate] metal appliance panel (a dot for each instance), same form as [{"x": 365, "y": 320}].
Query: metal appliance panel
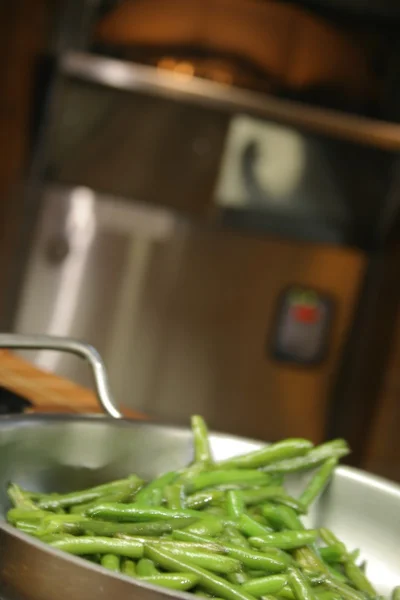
[{"x": 182, "y": 315}]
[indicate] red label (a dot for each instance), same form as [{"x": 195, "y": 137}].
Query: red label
[{"x": 306, "y": 314}]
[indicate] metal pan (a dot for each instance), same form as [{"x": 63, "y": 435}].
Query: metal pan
[{"x": 48, "y": 453}]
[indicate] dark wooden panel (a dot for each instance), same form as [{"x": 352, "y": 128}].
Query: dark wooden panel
[{"x": 23, "y": 28}]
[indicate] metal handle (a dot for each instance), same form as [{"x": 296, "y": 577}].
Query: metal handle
[{"x": 86, "y": 351}]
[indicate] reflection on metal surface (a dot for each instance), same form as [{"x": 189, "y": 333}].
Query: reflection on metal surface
[
  {"x": 80, "y": 229},
  {"x": 183, "y": 319},
  {"x": 150, "y": 80}
]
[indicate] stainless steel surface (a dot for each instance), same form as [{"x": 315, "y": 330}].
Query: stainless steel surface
[
  {"x": 85, "y": 351},
  {"x": 183, "y": 316},
  {"x": 63, "y": 453},
  {"x": 150, "y": 80}
]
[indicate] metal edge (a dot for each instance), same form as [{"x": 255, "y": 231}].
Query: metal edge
[{"x": 134, "y": 77}]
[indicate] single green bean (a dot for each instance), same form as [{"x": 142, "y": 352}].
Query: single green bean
[
  {"x": 111, "y": 562},
  {"x": 153, "y": 528},
  {"x": 236, "y": 477},
  {"x": 210, "y": 582},
  {"x": 272, "y": 493},
  {"x": 212, "y": 546},
  {"x": 318, "y": 482},
  {"x": 207, "y": 560},
  {"x": 275, "y": 452},
  {"x": 265, "y": 561},
  {"x": 54, "y": 501},
  {"x": 396, "y": 593},
  {"x": 100, "y": 545},
  {"x": 146, "y": 568},
  {"x": 282, "y": 517},
  {"x": 27, "y": 527},
  {"x": 209, "y": 526},
  {"x": 265, "y": 585},
  {"x": 285, "y": 540},
  {"x": 235, "y": 503},
  {"x": 137, "y": 513},
  {"x": 316, "y": 456},
  {"x": 202, "y": 450},
  {"x": 238, "y": 578},
  {"x": 175, "y": 496},
  {"x": 203, "y": 499},
  {"x": 180, "y": 582},
  {"x": 152, "y": 494},
  {"x": 128, "y": 567},
  {"x": 251, "y": 527},
  {"x": 332, "y": 553},
  {"x": 309, "y": 560},
  {"x": 299, "y": 585},
  {"x": 358, "y": 579}
]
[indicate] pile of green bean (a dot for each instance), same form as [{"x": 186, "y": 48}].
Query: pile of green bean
[{"x": 225, "y": 529}]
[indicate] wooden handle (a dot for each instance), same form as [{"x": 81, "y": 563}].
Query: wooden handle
[{"x": 48, "y": 392}]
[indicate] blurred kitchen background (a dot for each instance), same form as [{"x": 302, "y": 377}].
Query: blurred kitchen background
[{"x": 209, "y": 191}]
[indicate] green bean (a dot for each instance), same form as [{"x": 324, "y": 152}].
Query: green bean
[
  {"x": 275, "y": 452},
  {"x": 54, "y": 501},
  {"x": 396, "y": 593},
  {"x": 111, "y": 562},
  {"x": 235, "y": 503},
  {"x": 316, "y": 456},
  {"x": 265, "y": 585},
  {"x": 285, "y": 540},
  {"x": 233, "y": 536},
  {"x": 152, "y": 494},
  {"x": 210, "y": 582},
  {"x": 146, "y": 568},
  {"x": 202, "y": 451},
  {"x": 180, "y": 582},
  {"x": 282, "y": 517},
  {"x": 27, "y": 527},
  {"x": 174, "y": 495},
  {"x": 128, "y": 567},
  {"x": 275, "y": 560},
  {"x": 251, "y": 527},
  {"x": 206, "y": 560},
  {"x": 238, "y": 578},
  {"x": 153, "y": 528},
  {"x": 139, "y": 512},
  {"x": 20, "y": 499},
  {"x": 318, "y": 482},
  {"x": 100, "y": 545},
  {"x": 332, "y": 553},
  {"x": 203, "y": 499},
  {"x": 309, "y": 560},
  {"x": 274, "y": 493},
  {"x": 269, "y": 562},
  {"x": 19, "y": 514},
  {"x": 299, "y": 585},
  {"x": 211, "y": 546},
  {"x": 358, "y": 579},
  {"x": 236, "y": 477},
  {"x": 122, "y": 495},
  {"x": 208, "y": 525},
  {"x": 345, "y": 591}
]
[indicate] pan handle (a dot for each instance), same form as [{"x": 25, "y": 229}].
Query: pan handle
[{"x": 18, "y": 341}]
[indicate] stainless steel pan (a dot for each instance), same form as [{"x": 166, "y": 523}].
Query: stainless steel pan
[{"x": 50, "y": 453}]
